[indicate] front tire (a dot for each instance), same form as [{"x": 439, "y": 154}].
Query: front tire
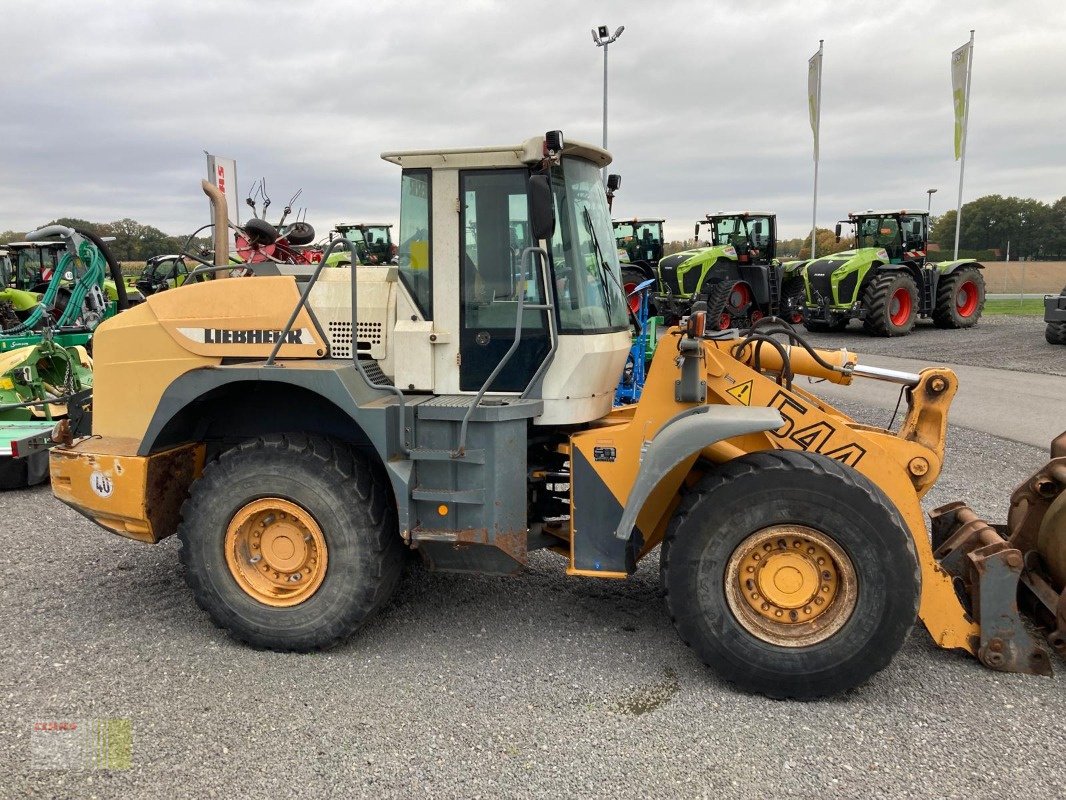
[
  {"x": 960, "y": 299},
  {"x": 753, "y": 548},
  {"x": 1055, "y": 333},
  {"x": 891, "y": 303},
  {"x": 290, "y": 542}
]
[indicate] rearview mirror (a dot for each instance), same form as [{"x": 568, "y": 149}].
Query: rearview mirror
[
  {"x": 541, "y": 207},
  {"x": 697, "y": 232},
  {"x": 614, "y": 182},
  {"x": 838, "y": 231}
]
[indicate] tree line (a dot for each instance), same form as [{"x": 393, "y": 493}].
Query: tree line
[{"x": 133, "y": 241}]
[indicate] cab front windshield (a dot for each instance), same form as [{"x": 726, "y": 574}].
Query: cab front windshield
[
  {"x": 877, "y": 231},
  {"x": 588, "y": 287},
  {"x": 742, "y": 232}
]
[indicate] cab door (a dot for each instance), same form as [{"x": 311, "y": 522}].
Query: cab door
[{"x": 494, "y": 230}]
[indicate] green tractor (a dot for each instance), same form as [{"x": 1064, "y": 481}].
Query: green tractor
[
  {"x": 640, "y": 247},
  {"x": 887, "y": 281},
  {"x": 737, "y": 274},
  {"x": 33, "y": 265},
  {"x": 372, "y": 241},
  {"x": 159, "y": 274}
]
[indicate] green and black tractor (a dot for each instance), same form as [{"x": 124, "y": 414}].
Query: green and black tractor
[
  {"x": 887, "y": 281},
  {"x": 640, "y": 247},
  {"x": 372, "y": 241},
  {"x": 737, "y": 273}
]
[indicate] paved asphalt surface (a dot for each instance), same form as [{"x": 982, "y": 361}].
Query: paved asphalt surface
[{"x": 539, "y": 685}]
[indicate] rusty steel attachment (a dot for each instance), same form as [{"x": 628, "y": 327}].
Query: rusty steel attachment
[{"x": 1023, "y": 562}]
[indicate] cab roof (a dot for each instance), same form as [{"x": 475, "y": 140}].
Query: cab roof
[
  {"x": 42, "y": 243},
  {"x": 530, "y": 151},
  {"x": 740, "y": 214},
  {"x": 875, "y": 213},
  {"x": 635, "y": 221},
  {"x": 340, "y": 225}
]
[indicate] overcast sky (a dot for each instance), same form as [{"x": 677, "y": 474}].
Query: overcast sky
[{"x": 109, "y": 105}]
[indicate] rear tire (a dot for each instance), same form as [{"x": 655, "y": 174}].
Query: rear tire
[
  {"x": 875, "y": 576},
  {"x": 12, "y": 473},
  {"x": 1055, "y": 333},
  {"x": 351, "y": 528},
  {"x": 960, "y": 299},
  {"x": 891, "y": 303}
]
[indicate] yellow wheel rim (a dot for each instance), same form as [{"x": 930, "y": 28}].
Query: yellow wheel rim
[
  {"x": 790, "y": 585},
  {"x": 276, "y": 552}
]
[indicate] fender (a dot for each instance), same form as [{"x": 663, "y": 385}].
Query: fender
[
  {"x": 684, "y": 436},
  {"x": 948, "y": 267}
]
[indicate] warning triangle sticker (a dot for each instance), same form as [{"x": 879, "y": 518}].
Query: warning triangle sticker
[{"x": 742, "y": 392}]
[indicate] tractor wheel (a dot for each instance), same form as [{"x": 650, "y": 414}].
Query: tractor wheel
[
  {"x": 790, "y": 574},
  {"x": 891, "y": 303},
  {"x": 740, "y": 300},
  {"x": 960, "y": 299},
  {"x": 719, "y": 314},
  {"x": 290, "y": 542},
  {"x": 631, "y": 279},
  {"x": 793, "y": 296},
  {"x": 1055, "y": 333}
]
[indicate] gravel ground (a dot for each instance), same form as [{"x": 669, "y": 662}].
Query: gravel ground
[
  {"x": 539, "y": 685},
  {"x": 998, "y": 341}
]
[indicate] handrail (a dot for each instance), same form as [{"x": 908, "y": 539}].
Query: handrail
[{"x": 461, "y": 447}]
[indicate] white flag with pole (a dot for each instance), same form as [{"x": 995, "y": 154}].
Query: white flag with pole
[
  {"x": 961, "y": 70},
  {"x": 814, "y": 105}
]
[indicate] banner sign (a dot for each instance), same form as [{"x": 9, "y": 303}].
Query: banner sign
[
  {"x": 814, "y": 94},
  {"x": 960, "y": 62},
  {"x": 222, "y": 172}
]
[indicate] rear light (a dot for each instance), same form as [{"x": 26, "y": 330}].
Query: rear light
[{"x": 14, "y": 449}]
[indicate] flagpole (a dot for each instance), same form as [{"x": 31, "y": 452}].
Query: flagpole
[
  {"x": 962, "y": 154},
  {"x": 817, "y": 128}
]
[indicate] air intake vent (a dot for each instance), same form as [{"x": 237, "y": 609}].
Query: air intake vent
[{"x": 340, "y": 337}]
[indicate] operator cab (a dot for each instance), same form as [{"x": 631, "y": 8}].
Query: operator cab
[
  {"x": 482, "y": 232},
  {"x": 902, "y": 234},
  {"x": 639, "y": 239},
  {"x": 372, "y": 240},
  {"x": 752, "y": 233}
]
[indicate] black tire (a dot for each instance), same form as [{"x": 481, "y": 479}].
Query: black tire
[
  {"x": 300, "y": 233},
  {"x": 947, "y": 312},
  {"x": 260, "y": 232},
  {"x": 877, "y": 299},
  {"x": 1055, "y": 333},
  {"x": 633, "y": 275},
  {"x": 793, "y": 297},
  {"x": 751, "y": 493},
  {"x": 348, "y": 499},
  {"x": 12, "y": 473}
]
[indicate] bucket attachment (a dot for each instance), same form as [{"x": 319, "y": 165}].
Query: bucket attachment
[{"x": 996, "y": 568}]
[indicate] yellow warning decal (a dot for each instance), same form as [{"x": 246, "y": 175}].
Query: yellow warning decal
[{"x": 742, "y": 392}]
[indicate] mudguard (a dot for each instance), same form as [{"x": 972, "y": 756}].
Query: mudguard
[
  {"x": 948, "y": 267},
  {"x": 686, "y": 434}
]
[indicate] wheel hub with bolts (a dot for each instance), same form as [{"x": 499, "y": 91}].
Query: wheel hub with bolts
[
  {"x": 790, "y": 585},
  {"x": 276, "y": 552}
]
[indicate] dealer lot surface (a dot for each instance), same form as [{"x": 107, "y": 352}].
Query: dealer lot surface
[{"x": 465, "y": 686}]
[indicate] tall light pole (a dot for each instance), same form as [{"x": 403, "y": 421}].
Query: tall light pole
[
  {"x": 603, "y": 39},
  {"x": 929, "y": 205}
]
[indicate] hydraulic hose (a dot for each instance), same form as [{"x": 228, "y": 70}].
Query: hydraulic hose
[{"x": 112, "y": 266}]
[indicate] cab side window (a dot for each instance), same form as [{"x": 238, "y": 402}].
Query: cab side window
[{"x": 414, "y": 252}]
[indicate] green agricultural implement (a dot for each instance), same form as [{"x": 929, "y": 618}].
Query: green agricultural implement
[
  {"x": 1055, "y": 317},
  {"x": 737, "y": 274},
  {"x": 887, "y": 281},
  {"x": 40, "y": 385},
  {"x": 34, "y": 264},
  {"x": 372, "y": 242},
  {"x": 45, "y": 368}
]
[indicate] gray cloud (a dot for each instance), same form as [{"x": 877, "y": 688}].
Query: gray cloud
[{"x": 107, "y": 114}]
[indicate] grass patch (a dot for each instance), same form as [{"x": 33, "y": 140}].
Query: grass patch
[{"x": 1029, "y": 307}]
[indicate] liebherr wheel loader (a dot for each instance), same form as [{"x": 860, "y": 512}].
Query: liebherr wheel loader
[{"x": 300, "y": 432}]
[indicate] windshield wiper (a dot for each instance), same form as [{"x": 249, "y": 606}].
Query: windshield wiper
[{"x": 604, "y": 268}]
